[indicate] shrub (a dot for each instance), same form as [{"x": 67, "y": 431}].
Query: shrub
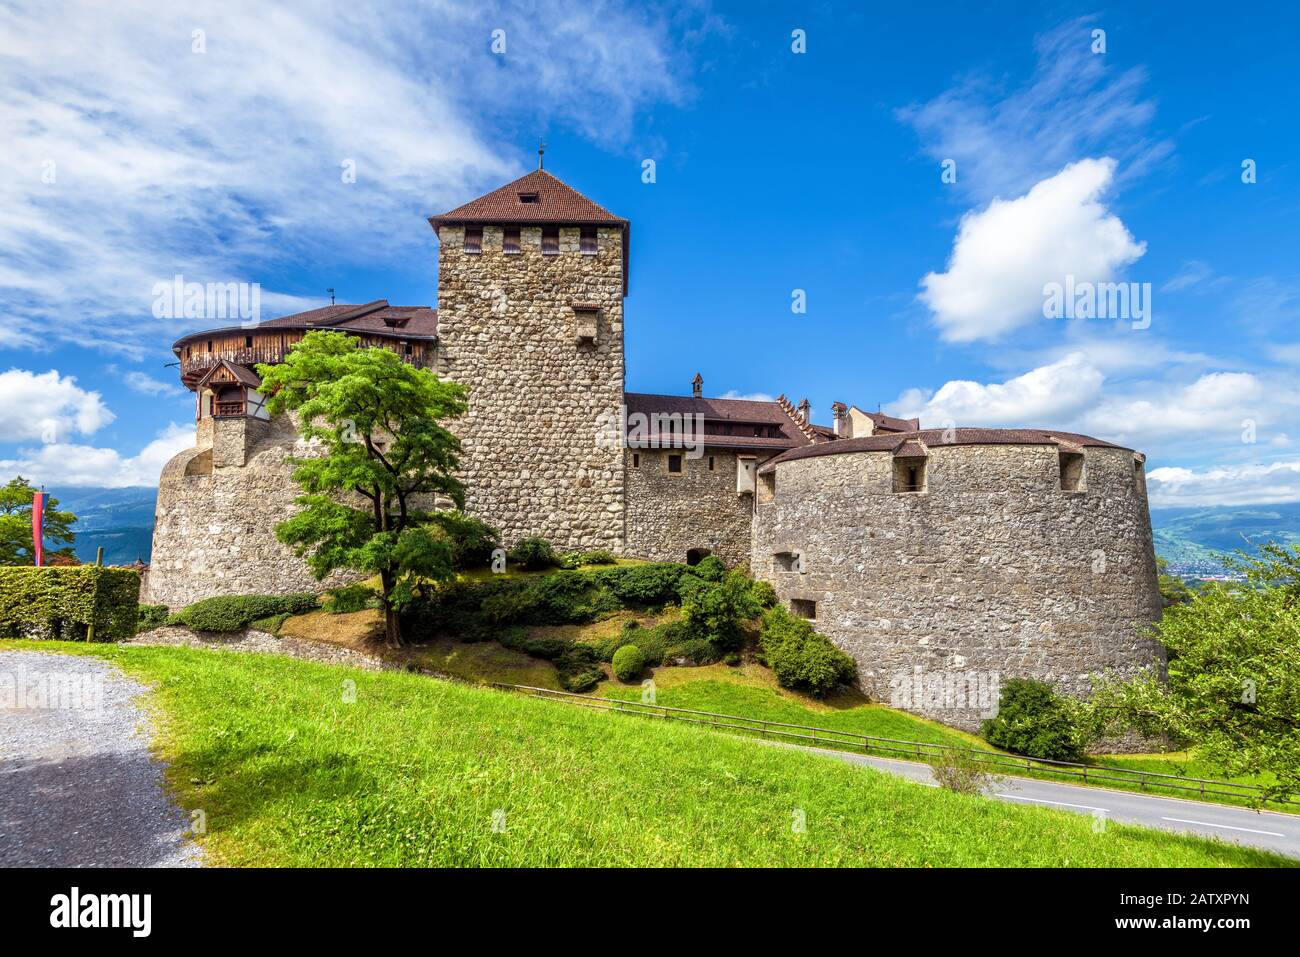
[
  {"x": 710, "y": 569},
  {"x": 234, "y": 612},
  {"x": 732, "y": 658},
  {"x": 716, "y": 612},
  {"x": 503, "y": 606},
  {"x": 701, "y": 651},
  {"x": 764, "y": 594},
  {"x": 569, "y": 560},
  {"x": 571, "y": 598},
  {"x": 532, "y": 554},
  {"x": 958, "y": 771},
  {"x": 628, "y": 663},
  {"x": 800, "y": 657},
  {"x": 578, "y": 669},
  {"x": 643, "y": 585},
  {"x": 151, "y": 617},
  {"x": 63, "y": 601},
  {"x": 350, "y": 598},
  {"x": 472, "y": 540},
  {"x": 599, "y": 556},
  {"x": 1034, "y": 720},
  {"x": 631, "y": 625}
]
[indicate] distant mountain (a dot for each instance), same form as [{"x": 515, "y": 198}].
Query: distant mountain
[
  {"x": 1191, "y": 539},
  {"x": 119, "y": 519}
]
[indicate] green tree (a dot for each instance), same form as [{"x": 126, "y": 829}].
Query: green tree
[
  {"x": 1173, "y": 591},
  {"x": 16, "y": 525},
  {"x": 718, "y": 612},
  {"x": 368, "y": 500},
  {"x": 1234, "y": 673}
]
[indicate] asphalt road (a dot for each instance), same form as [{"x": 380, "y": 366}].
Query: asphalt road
[{"x": 1271, "y": 830}]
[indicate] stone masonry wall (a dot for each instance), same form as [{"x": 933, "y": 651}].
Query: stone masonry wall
[
  {"x": 993, "y": 572},
  {"x": 669, "y": 514},
  {"x": 532, "y": 462},
  {"x": 214, "y": 529}
]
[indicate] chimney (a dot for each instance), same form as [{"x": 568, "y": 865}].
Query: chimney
[
  {"x": 805, "y": 410},
  {"x": 838, "y": 411},
  {"x": 697, "y": 385}
]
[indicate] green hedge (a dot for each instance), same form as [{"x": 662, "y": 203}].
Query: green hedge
[
  {"x": 800, "y": 657},
  {"x": 62, "y": 601},
  {"x": 234, "y": 612}
]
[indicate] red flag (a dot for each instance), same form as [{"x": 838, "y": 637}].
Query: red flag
[{"x": 38, "y": 526}]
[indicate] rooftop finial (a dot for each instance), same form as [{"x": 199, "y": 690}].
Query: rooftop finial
[{"x": 541, "y": 151}]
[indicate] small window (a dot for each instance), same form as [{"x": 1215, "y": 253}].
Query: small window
[
  {"x": 804, "y": 608},
  {"x": 550, "y": 240},
  {"x": 710, "y": 463},
  {"x": 587, "y": 240},
  {"x": 510, "y": 240},
  {"x": 636, "y": 460},
  {"x": 474, "y": 239},
  {"x": 675, "y": 464},
  {"x": 909, "y": 474},
  {"x": 786, "y": 561},
  {"x": 529, "y": 198},
  {"x": 406, "y": 348},
  {"x": 209, "y": 345},
  {"x": 189, "y": 351},
  {"x": 248, "y": 342},
  {"x": 1072, "y": 471}
]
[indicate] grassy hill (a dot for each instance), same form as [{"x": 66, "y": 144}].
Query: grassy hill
[{"x": 417, "y": 772}]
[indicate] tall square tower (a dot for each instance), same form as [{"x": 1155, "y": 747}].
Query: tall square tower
[{"x": 531, "y": 282}]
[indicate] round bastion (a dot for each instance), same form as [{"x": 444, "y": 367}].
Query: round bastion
[{"x": 948, "y": 561}]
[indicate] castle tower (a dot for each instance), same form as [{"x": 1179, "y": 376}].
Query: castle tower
[{"x": 531, "y": 281}]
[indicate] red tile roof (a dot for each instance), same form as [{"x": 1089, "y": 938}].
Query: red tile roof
[
  {"x": 723, "y": 410},
  {"x": 936, "y": 437},
  {"x": 888, "y": 423},
  {"x": 373, "y": 318},
  {"x": 557, "y": 203}
]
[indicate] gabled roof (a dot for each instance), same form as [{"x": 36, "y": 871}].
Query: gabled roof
[
  {"x": 242, "y": 374},
  {"x": 889, "y": 423},
  {"x": 557, "y": 203},
  {"x": 735, "y": 411}
]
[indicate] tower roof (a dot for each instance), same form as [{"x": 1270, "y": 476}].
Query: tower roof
[{"x": 535, "y": 198}]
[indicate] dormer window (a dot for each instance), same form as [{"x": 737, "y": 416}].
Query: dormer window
[
  {"x": 587, "y": 240},
  {"x": 510, "y": 240},
  {"x": 550, "y": 240},
  {"x": 473, "y": 239},
  {"x": 529, "y": 198}
]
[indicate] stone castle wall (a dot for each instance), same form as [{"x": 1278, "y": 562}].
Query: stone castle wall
[
  {"x": 532, "y": 462},
  {"x": 214, "y": 529},
  {"x": 670, "y": 514},
  {"x": 991, "y": 573}
]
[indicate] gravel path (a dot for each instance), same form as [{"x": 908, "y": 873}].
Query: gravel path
[
  {"x": 78, "y": 787},
  {"x": 260, "y": 641}
]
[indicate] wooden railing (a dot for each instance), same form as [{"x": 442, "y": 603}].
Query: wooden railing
[{"x": 220, "y": 409}]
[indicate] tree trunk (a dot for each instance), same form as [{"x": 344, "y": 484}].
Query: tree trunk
[{"x": 392, "y": 623}]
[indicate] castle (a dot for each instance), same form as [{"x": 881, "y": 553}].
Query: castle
[{"x": 939, "y": 559}]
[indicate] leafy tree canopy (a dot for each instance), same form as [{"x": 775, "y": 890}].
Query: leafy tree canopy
[
  {"x": 368, "y": 500},
  {"x": 16, "y": 525}
]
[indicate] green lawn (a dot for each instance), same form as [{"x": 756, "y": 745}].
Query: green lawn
[{"x": 414, "y": 772}]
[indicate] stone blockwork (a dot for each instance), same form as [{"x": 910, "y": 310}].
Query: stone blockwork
[
  {"x": 533, "y": 462},
  {"x": 669, "y": 515},
  {"x": 214, "y": 529},
  {"x": 992, "y": 572}
]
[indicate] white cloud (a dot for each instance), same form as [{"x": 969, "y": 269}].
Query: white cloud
[
  {"x": 1004, "y": 254},
  {"x": 47, "y": 407},
  {"x": 747, "y": 396},
  {"x": 146, "y": 384},
  {"x": 130, "y": 158},
  {"x": 69, "y": 465},
  {"x": 1044, "y": 397},
  {"x": 1255, "y": 483},
  {"x": 1075, "y": 103}
]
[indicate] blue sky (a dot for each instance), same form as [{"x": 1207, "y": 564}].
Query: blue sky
[{"x": 217, "y": 155}]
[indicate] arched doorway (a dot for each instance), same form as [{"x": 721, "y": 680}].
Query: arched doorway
[{"x": 695, "y": 555}]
